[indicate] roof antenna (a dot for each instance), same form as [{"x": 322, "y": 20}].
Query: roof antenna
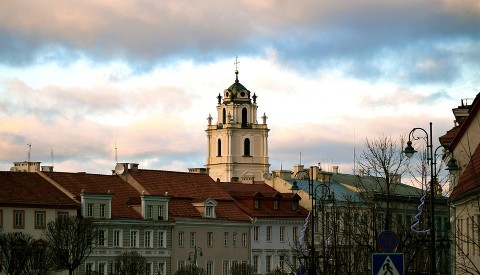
[
  {"x": 29, "y": 150},
  {"x": 300, "y": 158},
  {"x": 116, "y": 156},
  {"x": 51, "y": 155}
]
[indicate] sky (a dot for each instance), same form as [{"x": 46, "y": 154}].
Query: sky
[{"x": 89, "y": 83}]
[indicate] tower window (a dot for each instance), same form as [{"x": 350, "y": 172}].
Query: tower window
[
  {"x": 246, "y": 147},
  {"x": 224, "y": 116},
  {"x": 219, "y": 148},
  {"x": 244, "y": 117}
]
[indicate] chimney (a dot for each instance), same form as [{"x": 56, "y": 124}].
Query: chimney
[
  {"x": 297, "y": 168},
  {"x": 134, "y": 167},
  {"x": 47, "y": 168},
  {"x": 361, "y": 172},
  {"x": 335, "y": 169}
]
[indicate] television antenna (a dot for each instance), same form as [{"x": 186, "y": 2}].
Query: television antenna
[{"x": 29, "y": 151}]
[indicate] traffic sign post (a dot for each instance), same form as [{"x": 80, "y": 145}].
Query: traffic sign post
[{"x": 388, "y": 264}]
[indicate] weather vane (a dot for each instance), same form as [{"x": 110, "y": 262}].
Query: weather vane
[{"x": 236, "y": 63}]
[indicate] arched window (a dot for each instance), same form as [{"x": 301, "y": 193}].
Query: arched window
[
  {"x": 224, "y": 116},
  {"x": 219, "y": 147},
  {"x": 246, "y": 147},
  {"x": 244, "y": 117}
]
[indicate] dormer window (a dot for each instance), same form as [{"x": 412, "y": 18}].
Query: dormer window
[
  {"x": 209, "y": 211},
  {"x": 275, "y": 205},
  {"x": 206, "y": 208},
  {"x": 294, "y": 205},
  {"x": 256, "y": 204}
]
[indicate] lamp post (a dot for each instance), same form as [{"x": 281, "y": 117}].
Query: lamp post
[
  {"x": 409, "y": 151},
  {"x": 197, "y": 251},
  {"x": 311, "y": 192}
]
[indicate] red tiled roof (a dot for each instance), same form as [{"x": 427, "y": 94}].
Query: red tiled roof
[
  {"x": 446, "y": 139},
  {"x": 466, "y": 122},
  {"x": 184, "y": 188},
  {"x": 470, "y": 178},
  {"x": 31, "y": 188},
  {"x": 100, "y": 184},
  {"x": 180, "y": 184},
  {"x": 247, "y": 192}
]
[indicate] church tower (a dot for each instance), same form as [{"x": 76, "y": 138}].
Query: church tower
[{"x": 237, "y": 143}]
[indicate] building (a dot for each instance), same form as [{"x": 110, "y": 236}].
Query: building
[
  {"x": 351, "y": 211},
  {"x": 210, "y": 229},
  {"x": 237, "y": 145},
  {"x": 128, "y": 220},
  {"x": 28, "y": 202},
  {"x": 462, "y": 143},
  {"x": 277, "y": 220}
]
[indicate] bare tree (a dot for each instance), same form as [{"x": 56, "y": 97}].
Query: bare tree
[
  {"x": 242, "y": 269},
  {"x": 16, "y": 249},
  {"x": 71, "y": 240},
  {"x": 190, "y": 269},
  {"x": 130, "y": 263}
]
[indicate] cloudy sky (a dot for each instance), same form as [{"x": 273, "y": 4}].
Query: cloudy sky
[{"x": 80, "y": 78}]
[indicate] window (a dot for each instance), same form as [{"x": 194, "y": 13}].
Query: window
[
  {"x": 256, "y": 232},
  {"x": 18, "y": 219},
  {"x": 1, "y": 218},
  {"x": 209, "y": 268},
  {"x": 102, "y": 210},
  {"x": 192, "y": 239},
  {"x": 268, "y": 263},
  {"x": 117, "y": 238},
  {"x": 282, "y": 233},
  {"x": 269, "y": 233},
  {"x": 40, "y": 219},
  {"x": 225, "y": 239},
  {"x": 295, "y": 233},
  {"x": 255, "y": 263},
  {"x": 225, "y": 268},
  {"x": 244, "y": 117},
  {"x": 180, "y": 264},
  {"x": 162, "y": 239},
  {"x": 89, "y": 210},
  {"x": 180, "y": 239},
  {"x": 89, "y": 268},
  {"x": 209, "y": 211},
  {"x": 224, "y": 116},
  {"x": 244, "y": 239},
  {"x": 102, "y": 234},
  {"x": 219, "y": 148},
  {"x": 148, "y": 211},
  {"x": 246, "y": 147},
  {"x": 102, "y": 268},
  {"x": 148, "y": 269},
  {"x": 162, "y": 268},
  {"x": 62, "y": 215},
  {"x": 256, "y": 204},
  {"x": 160, "y": 212},
  {"x": 275, "y": 205},
  {"x": 234, "y": 239},
  {"x": 210, "y": 239},
  {"x": 134, "y": 238},
  {"x": 148, "y": 240},
  {"x": 282, "y": 262},
  {"x": 294, "y": 205}
]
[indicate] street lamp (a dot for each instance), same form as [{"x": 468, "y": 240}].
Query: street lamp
[
  {"x": 409, "y": 151},
  {"x": 295, "y": 189},
  {"x": 197, "y": 251}
]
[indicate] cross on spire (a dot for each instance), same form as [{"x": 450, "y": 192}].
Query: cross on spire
[{"x": 236, "y": 68}]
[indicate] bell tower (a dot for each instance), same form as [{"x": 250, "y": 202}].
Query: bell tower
[{"x": 237, "y": 143}]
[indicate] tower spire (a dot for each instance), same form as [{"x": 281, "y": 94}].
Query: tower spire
[{"x": 236, "y": 68}]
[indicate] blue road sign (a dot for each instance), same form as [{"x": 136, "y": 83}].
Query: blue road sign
[
  {"x": 387, "y": 264},
  {"x": 387, "y": 241}
]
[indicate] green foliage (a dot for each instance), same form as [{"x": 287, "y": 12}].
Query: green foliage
[{"x": 130, "y": 263}]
